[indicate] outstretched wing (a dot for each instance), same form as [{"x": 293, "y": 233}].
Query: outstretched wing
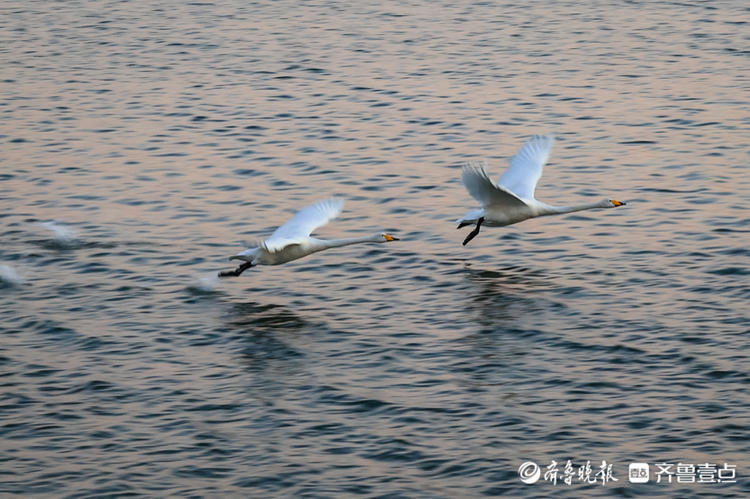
[
  {"x": 303, "y": 223},
  {"x": 526, "y": 166},
  {"x": 478, "y": 183}
]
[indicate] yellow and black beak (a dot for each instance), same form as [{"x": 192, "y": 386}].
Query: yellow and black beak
[
  {"x": 617, "y": 203},
  {"x": 389, "y": 238}
]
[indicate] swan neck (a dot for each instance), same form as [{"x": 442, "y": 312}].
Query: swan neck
[
  {"x": 335, "y": 243},
  {"x": 555, "y": 210}
]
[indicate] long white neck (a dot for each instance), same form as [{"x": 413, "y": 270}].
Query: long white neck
[
  {"x": 335, "y": 243},
  {"x": 556, "y": 210}
]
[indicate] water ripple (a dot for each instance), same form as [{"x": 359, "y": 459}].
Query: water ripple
[{"x": 136, "y": 159}]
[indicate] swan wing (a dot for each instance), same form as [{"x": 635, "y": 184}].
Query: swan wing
[
  {"x": 299, "y": 228},
  {"x": 526, "y": 166},
  {"x": 483, "y": 189}
]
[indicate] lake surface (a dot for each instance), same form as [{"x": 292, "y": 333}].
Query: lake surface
[{"x": 144, "y": 142}]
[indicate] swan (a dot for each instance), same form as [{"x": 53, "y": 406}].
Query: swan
[
  {"x": 512, "y": 200},
  {"x": 292, "y": 240}
]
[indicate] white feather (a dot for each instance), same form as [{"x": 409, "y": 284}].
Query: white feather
[
  {"x": 292, "y": 240},
  {"x": 478, "y": 183},
  {"x": 299, "y": 228},
  {"x": 512, "y": 199},
  {"x": 526, "y": 166}
]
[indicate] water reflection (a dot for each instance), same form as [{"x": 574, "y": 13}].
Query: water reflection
[
  {"x": 502, "y": 303},
  {"x": 257, "y": 317},
  {"x": 502, "y": 297},
  {"x": 267, "y": 334},
  {"x": 378, "y": 372}
]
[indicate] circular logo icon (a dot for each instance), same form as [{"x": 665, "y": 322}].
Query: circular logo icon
[{"x": 529, "y": 472}]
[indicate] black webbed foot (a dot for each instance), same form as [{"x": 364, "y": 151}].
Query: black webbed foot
[
  {"x": 236, "y": 272},
  {"x": 474, "y": 232}
]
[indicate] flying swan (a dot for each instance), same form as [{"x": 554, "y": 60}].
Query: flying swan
[
  {"x": 292, "y": 240},
  {"x": 511, "y": 200}
]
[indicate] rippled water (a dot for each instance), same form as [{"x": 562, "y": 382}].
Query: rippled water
[{"x": 144, "y": 142}]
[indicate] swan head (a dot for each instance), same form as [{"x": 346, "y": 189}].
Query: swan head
[
  {"x": 613, "y": 203},
  {"x": 386, "y": 238}
]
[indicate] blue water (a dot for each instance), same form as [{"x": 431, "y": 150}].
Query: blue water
[{"x": 145, "y": 142}]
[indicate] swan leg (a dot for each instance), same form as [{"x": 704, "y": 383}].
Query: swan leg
[
  {"x": 474, "y": 232},
  {"x": 236, "y": 272}
]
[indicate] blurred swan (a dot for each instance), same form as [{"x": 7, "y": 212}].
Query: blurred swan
[
  {"x": 9, "y": 277},
  {"x": 62, "y": 233},
  {"x": 292, "y": 240},
  {"x": 511, "y": 200}
]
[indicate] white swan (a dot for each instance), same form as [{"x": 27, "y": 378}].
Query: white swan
[
  {"x": 292, "y": 240},
  {"x": 511, "y": 200}
]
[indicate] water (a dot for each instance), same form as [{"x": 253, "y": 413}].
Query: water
[{"x": 160, "y": 137}]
